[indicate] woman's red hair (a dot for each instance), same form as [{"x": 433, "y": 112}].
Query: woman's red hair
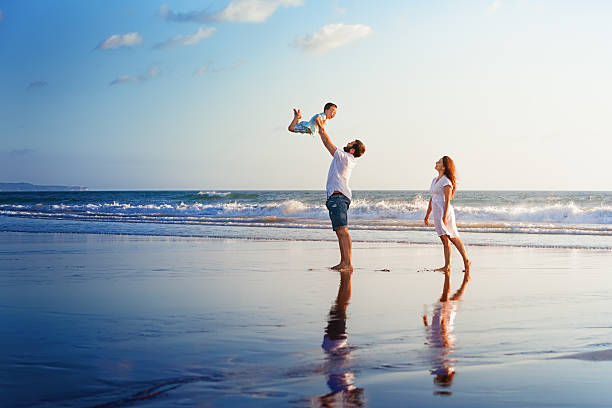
[{"x": 449, "y": 172}]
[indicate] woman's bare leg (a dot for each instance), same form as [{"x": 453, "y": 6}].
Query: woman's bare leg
[
  {"x": 447, "y": 254},
  {"x": 466, "y": 261}
]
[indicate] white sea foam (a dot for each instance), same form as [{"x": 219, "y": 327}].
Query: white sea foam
[
  {"x": 561, "y": 213},
  {"x": 214, "y": 193},
  {"x": 540, "y": 217}
]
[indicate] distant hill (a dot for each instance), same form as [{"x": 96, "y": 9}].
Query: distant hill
[{"x": 34, "y": 187}]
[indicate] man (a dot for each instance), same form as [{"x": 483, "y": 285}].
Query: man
[{"x": 339, "y": 194}]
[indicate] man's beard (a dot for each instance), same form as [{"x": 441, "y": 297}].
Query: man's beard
[{"x": 347, "y": 149}]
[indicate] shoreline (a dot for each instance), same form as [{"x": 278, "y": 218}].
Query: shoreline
[{"x": 331, "y": 239}]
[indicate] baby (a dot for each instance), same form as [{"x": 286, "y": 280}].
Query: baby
[{"x": 315, "y": 123}]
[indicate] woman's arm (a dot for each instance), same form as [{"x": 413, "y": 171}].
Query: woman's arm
[
  {"x": 428, "y": 212},
  {"x": 447, "y": 194}
]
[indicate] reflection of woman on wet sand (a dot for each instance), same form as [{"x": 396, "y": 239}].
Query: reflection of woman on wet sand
[
  {"x": 439, "y": 333},
  {"x": 442, "y": 192},
  {"x": 341, "y": 380}
]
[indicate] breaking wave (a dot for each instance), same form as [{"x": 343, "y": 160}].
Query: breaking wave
[{"x": 383, "y": 214}]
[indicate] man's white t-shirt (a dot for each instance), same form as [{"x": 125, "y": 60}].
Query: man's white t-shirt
[{"x": 339, "y": 173}]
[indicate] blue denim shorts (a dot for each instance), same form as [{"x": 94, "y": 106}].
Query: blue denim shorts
[{"x": 338, "y": 205}]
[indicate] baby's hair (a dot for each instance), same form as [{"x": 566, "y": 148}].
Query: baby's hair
[{"x": 329, "y": 105}]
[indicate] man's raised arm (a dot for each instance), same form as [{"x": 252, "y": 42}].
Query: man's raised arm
[{"x": 327, "y": 141}]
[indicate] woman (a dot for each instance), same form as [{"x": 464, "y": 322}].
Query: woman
[{"x": 442, "y": 191}]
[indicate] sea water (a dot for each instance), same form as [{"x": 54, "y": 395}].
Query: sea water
[
  {"x": 566, "y": 219},
  {"x": 110, "y": 304}
]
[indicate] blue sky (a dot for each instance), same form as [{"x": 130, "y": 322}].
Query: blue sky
[{"x": 198, "y": 94}]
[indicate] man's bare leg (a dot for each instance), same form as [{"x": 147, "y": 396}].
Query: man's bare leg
[
  {"x": 342, "y": 256},
  {"x": 447, "y": 254},
  {"x": 346, "y": 249},
  {"x": 296, "y": 118},
  {"x": 350, "y": 249},
  {"x": 466, "y": 262}
]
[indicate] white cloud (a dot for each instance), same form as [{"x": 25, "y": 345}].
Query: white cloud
[
  {"x": 150, "y": 74},
  {"x": 493, "y": 7},
  {"x": 332, "y": 36},
  {"x": 188, "y": 39},
  {"x": 253, "y": 11},
  {"x": 242, "y": 11},
  {"x": 118, "y": 40}
]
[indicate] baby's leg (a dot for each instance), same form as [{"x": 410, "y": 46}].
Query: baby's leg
[{"x": 296, "y": 118}]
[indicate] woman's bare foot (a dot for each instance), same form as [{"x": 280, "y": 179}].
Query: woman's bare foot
[
  {"x": 467, "y": 265},
  {"x": 444, "y": 269}
]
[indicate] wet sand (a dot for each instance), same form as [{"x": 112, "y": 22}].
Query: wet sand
[{"x": 109, "y": 320}]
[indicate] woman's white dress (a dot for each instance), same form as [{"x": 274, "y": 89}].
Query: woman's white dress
[
  {"x": 441, "y": 338},
  {"x": 437, "y": 208}
]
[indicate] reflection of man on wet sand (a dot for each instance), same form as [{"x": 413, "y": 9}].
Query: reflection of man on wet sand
[
  {"x": 440, "y": 335},
  {"x": 341, "y": 380}
]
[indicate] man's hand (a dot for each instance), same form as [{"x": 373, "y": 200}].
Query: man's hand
[
  {"x": 426, "y": 220},
  {"x": 319, "y": 122}
]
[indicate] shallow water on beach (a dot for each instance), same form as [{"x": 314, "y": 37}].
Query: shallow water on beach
[{"x": 111, "y": 321}]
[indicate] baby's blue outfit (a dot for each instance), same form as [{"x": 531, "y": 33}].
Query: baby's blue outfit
[{"x": 311, "y": 126}]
